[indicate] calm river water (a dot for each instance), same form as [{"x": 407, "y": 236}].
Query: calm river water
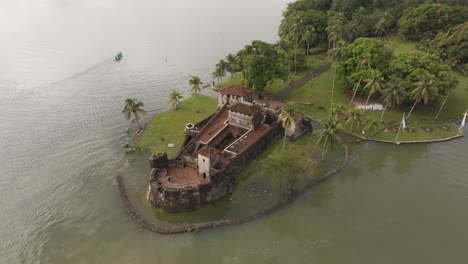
[{"x": 60, "y": 100}]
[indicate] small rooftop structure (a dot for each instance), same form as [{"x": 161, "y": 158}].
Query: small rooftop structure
[
  {"x": 209, "y": 152},
  {"x": 235, "y": 90},
  {"x": 234, "y": 94},
  {"x": 245, "y": 109}
]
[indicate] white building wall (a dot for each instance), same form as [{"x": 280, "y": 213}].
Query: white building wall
[
  {"x": 241, "y": 120},
  {"x": 203, "y": 166}
]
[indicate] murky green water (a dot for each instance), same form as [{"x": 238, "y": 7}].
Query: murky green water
[{"x": 60, "y": 148}]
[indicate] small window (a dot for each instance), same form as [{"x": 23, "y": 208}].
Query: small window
[{"x": 203, "y": 160}]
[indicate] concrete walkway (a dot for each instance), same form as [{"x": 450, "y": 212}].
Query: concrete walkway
[{"x": 298, "y": 83}]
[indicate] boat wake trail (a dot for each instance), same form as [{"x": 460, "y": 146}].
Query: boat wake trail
[{"x": 76, "y": 75}]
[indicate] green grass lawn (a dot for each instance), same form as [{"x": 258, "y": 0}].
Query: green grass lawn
[
  {"x": 317, "y": 93},
  {"x": 168, "y": 127},
  {"x": 312, "y": 62}
]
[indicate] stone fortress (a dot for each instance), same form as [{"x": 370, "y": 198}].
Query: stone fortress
[{"x": 214, "y": 151}]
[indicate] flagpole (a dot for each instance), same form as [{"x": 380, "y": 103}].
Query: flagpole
[
  {"x": 398, "y": 133},
  {"x": 462, "y": 124},
  {"x": 399, "y": 128}
]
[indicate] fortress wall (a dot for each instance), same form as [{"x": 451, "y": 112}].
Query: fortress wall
[{"x": 176, "y": 200}]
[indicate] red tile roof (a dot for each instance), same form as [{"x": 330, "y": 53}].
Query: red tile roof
[
  {"x": 209, "y": 152},
  {"x": 236, "y": 90}
]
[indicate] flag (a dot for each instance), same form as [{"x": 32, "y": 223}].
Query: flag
[
  {"x": 403, "y": 122},
  {"x": 463, "y": 121}
]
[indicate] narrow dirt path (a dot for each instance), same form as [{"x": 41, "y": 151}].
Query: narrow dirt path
[{"x": 298, "y": 83}]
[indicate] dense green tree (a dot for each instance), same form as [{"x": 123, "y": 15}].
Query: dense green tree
[
  {"x": 362, "y": 24},
  {"x": 174, "y": 99},
  {"x": 328, "y": 138},
  {"x": 287, "y": 117},
  {"x": 452, "y": 48},
  {"x": 195, "y": 84},
  {"x": 384, "y": 20},
  {"x": 349, "y": 7},
  {"x": 313, "y": 20},
  {"x": 422, "y": 20},
  {"x": 362, "y": 57},
  {"x": 392, "y": 95},
  {"x": 264, "y": 64},
  {"x": 133, "y": 107},
  {"x": 408, "y": 68}
]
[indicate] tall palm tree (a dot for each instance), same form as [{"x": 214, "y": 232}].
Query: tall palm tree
[
  {"x": 216, "y": 74},
  {"x": 328, "y": 138},
  {"x": 337, "y": 110},
  {"x": 374, "y": 84},
  {"x": 335, "y": 28},
  {"x": 336, "y": 54},
  {"x": 133, "y": 107},
  {"x": 221, "y": 67},
  {"x": 174, "y": 99},
  {"x": 196, "y": 84},
  {"x": 296, "y": 30},
  {"x": 287, "y": 117},
  {"x": 231, "y": 64},
  {"x": 370, "y": 124},
  {"x": 364, "y": 63},
  {"x": 354, "y": 116},
  {"x": 424, "y": 90},
  {"x": 392, "y": 95},
  {"x": 287, "y": 47},
  {"x": 309, "y": 36}
]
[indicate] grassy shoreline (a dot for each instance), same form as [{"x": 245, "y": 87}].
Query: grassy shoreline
[
  {"x": 168, "y": 126},
  {"x": 314, "y": 99}
]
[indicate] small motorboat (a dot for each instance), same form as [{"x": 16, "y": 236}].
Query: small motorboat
[{"x": 118, "y": 56}]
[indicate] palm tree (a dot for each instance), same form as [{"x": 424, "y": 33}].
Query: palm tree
[
  {"x": 364, "y": 62},
  {"x": 309, "y": 36},
  {"x": 221, "y": 68},
  {"x": 384, "y": 22},
  {"x": 337, "y": 110},
  {"x": 174, "y": 99},
  {"x": 392, "y": 95},
  {"x": 195, "y": 83},
  {"x": 231, "y": 64},
  {"x": 354, "y": 117},
  {"x": 374, "y": 84},
  {"x": 296, "y": 30},
  {"x": 286, "y": 46},
  {"x": 288, "y": 118},
  {"x": 133, "y": 107},
  {"x": 370, "y": 124},
  {"x": 216, "y": 74},
  {"x": 424, "y": 90},
  {"x": 335, "y": 28},
  {"x": 336, "y": 54},
  {"x": 328, "y": 138}
]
